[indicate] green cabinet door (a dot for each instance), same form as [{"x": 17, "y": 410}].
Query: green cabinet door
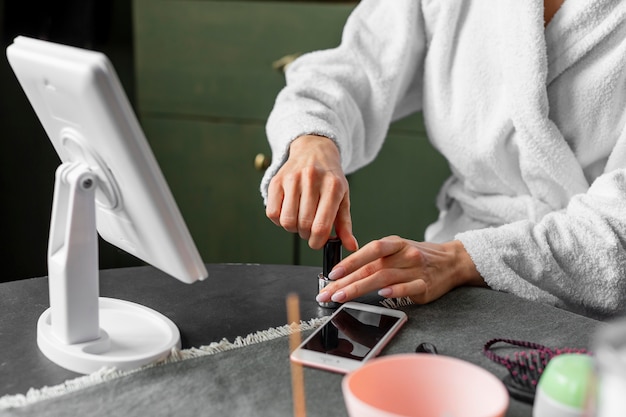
[
  {"x": 215, "y": 58},
  {"x": 206, "y": 82},
  {"x": 211, "y": 174}
]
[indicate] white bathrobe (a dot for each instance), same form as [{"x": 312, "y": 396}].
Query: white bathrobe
[{"x": 531, "y": 120}]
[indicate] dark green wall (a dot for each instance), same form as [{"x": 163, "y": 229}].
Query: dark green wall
[{"x": 28, "y": 160}]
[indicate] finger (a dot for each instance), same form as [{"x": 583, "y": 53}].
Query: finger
[
  {"x": 274, "y": 204},
  {"x": 376, "y": 249},
  {"x": 372, "y": 277},
  {"x": 417, "y": 290},
  {"x": 335, "y": 287},
  {"x": 309, "y": 201},
  {"x": 290, "y": 206},
  {"x": 369, "y": 278},
  {"x": 356, "y": 285},
  {"x": 325, "y": 216},
  {"x": 343, "y": 225}
]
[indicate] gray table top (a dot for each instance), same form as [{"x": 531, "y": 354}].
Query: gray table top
[{"x": 239, "y": 299}]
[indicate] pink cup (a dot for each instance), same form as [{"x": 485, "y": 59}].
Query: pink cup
[{"x": 423, "y": 385}]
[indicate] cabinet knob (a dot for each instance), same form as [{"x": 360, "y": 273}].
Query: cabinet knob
[
  {"x": 261, "y": 162},
  {"x": 281, "y": 64}
]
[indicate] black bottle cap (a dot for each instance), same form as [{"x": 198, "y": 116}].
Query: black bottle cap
[{"x": 332, "y": 254}]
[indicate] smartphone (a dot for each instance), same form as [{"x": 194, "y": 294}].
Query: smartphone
[{"x": 355, "y": 333}]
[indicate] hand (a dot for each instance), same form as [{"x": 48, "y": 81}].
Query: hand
[
  {"x": 309, "y": 194},
  {"x": 402, "y": 268}
]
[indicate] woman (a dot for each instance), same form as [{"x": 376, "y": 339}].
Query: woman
[{"x": 525, "y": 99}]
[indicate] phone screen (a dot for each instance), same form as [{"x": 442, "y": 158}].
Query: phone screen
[{"x": 351, "y": 333}]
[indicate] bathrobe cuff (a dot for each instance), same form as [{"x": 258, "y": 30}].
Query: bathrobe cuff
[{"x": 572, "y": 258}]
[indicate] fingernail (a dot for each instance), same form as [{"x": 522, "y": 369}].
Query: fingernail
[
  {"x": 323, "y": 297},
  {"x": 336, "y": 273},
  {"x": 385, "y": 292},
  {"x": 338, "y": 297}
]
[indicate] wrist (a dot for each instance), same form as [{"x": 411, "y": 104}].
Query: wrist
[
  {"x": 305, "y": 142},
  {"x": 464, "y": 268}
]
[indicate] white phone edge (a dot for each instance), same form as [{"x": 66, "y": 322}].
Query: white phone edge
[{"x": 340, "y": 364}]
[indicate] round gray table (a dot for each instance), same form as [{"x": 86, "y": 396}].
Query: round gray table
[{"x": 240, "y": 299}]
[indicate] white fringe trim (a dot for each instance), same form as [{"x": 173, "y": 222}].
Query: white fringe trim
[
  {"x": 396, "y": 303},
  {"x": 35, "y": 395}
]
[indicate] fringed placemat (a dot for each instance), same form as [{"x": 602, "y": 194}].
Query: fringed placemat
[{"x": 35, "y": 395}]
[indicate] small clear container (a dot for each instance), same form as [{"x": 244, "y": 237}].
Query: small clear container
[{"x": 609, "y": 396}]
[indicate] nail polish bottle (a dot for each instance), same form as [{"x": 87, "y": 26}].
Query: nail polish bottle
[{"x": 332, "y": 256}]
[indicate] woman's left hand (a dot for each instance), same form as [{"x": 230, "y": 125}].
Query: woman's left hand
[{"x": 400, "y": 267}]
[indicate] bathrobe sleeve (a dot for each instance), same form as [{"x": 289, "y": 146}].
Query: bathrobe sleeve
[
  {"x": 351, "y": 93},
  {"x": 573, "y": 258}
]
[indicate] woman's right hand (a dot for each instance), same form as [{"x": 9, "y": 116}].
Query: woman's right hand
[{"x": 310, "y": 194}]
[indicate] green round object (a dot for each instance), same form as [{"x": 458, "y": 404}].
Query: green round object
[{"x": 566, "y": 379}]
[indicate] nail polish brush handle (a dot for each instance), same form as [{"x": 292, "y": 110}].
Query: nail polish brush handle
[{"x": 332, "y": 255}]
